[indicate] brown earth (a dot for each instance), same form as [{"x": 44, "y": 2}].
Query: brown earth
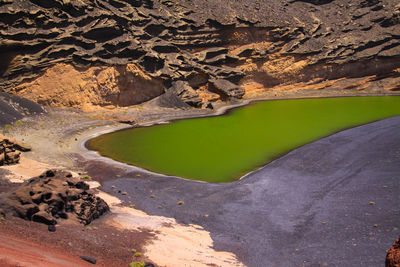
[{"x": 39, "y": 247}]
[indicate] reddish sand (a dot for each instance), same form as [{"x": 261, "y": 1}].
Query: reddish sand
[{"x": 25, "y": 243}]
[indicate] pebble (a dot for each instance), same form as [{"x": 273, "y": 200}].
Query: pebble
[{"x": 88, "y": 259}]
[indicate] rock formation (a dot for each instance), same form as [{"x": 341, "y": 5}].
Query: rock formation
[
  {"x": 236, "y": 45},
  {"x": 393, "y": 255},
  {"x": 10, "y": 150},
  {"x": 52, "y": 196}
]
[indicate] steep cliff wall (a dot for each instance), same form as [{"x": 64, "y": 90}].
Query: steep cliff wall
[{"x": 222, "y": 49}]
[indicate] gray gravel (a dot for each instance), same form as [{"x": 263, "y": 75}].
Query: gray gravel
[{"x": 333, "y": 202}]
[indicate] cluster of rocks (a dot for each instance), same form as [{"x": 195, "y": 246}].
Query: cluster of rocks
[
  {"x": 195, "y": 41},
  {"x": 52, "y": 196},
  {"x": 10, "y": 150},
  {"x": 393, "y": 255}
]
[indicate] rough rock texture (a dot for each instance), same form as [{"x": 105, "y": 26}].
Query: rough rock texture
[
  {"x": 393, "y": 255},
  {"x": 251, "y": 44},
  {"x": 52, "y": 196},
  {"x": 10, "y": 150},
  {"x": 63, "y": 85},
  {"x": 181, "y": 94}
]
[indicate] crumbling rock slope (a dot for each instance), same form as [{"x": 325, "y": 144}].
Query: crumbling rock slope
[
  {"x": 52, "y": 196},
  {"x": 222, "y": 49}
]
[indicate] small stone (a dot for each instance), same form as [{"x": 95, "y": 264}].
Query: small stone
[
  {"x": 152, "y": 196},
  {"x": 51, "y": 228},
  {"x": 375, "y": 225},
  {"x": 180, "y": 202},
  {"x": 132, "y": 205},
  {"x": 323, "y": 222},
  {"x": 88, "y": 259},
  {"x": 372, "y": 203},
  {"x": 124, "y": 193}
]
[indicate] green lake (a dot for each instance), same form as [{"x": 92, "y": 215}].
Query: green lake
[{"x": 224, "y": 148}]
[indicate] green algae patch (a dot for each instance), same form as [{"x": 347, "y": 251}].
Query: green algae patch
[{"x": 224, "y": 148}]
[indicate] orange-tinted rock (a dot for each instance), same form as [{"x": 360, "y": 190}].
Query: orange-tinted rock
[
  {"x": 393, "y": 255},
  {"x": 64, "y": 86}
]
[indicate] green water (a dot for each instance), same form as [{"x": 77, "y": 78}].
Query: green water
[{"x": 223, "y": 148}]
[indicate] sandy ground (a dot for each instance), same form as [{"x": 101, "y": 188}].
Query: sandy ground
[
  {"x": 311, "y": 207},
  {"x": 172, "y": 244},
  {"x": 56, "y": 139},
  {"x": 33, "y": 254}
]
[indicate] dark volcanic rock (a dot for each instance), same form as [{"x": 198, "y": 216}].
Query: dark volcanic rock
[
  {"x": 54, "y": 195},
  {"x": 226, "y": 89},
  {"x": 177, "y": 40},
  {"x": 89, "y": 259},
  {"x": 181, "y": 95}
]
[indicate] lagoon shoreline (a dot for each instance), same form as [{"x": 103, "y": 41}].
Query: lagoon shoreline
[{"x": 58, "y": 142}]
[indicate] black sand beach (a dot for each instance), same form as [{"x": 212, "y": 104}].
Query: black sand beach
[{"x": 334, "y": 202}]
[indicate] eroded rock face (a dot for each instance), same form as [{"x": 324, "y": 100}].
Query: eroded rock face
[
  {"x": 52, "y": 196},
  {"x": 270, "y": 43},
  {"x": 63, "y": 85},
  {"x": 10, "y": 150},
  {"x": 393, "y": 255}
]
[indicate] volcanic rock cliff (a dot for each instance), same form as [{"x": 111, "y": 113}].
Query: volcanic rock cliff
[{"x": 123, "y": 52}]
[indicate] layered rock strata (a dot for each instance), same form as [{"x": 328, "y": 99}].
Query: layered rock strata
[
  {"x": 10, "y": 150},
  {"x": 241, "y": 45}
]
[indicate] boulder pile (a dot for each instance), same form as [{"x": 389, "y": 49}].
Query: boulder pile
[
  {"x": 10, "y": 150},
  {"x": 52, "y": 196}
]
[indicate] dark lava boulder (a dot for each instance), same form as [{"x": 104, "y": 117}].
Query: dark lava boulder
[
  {"x": 393, "y": 255},
  {"x": 52, "y": 196},
  {"x": 181, "y": 94},
  {"x": 226, "y": 89}
]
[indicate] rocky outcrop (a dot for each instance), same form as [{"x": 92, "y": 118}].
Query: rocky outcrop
[
  {"x": 269, "y": 43},
  {"x": 393, "y": 255},
  {"x": 63, "y": 85},
  {"x": 10, "y": 150},
  {"x": 52, "y": 196}
]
